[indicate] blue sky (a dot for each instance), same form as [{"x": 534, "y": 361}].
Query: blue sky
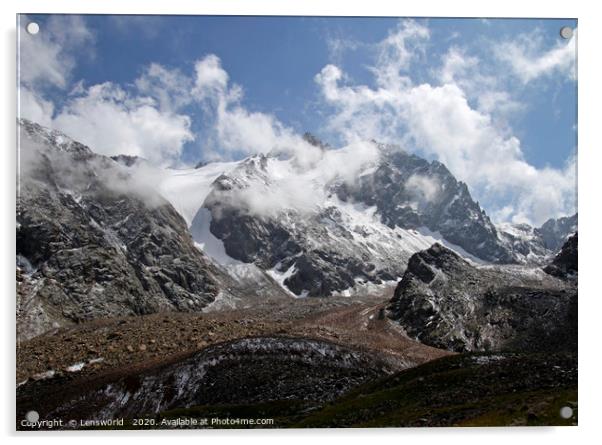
[{"x": 511, "y": 81}]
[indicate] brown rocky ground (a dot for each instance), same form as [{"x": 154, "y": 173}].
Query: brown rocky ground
[{"x": 108, "y": 345}]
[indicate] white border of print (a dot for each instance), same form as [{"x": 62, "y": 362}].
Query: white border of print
[{"x": 590, "y": 215}]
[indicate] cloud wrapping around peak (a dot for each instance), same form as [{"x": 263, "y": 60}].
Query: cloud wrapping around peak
[
  {"x": 303, "y": 188},
  {"x": 113, "y": 122},
  {"x": 439, "y": 122},
  {"x": 423, "y": 188},
  {"x": 458, "y": 117},
  {"x": 105, "y": 116}
]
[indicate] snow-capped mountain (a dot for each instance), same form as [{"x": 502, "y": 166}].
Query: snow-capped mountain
[
  {"x": 537, "y": 244},
  {"x": 224, "y": 234},
  {"x": 341, "y": 222},
  {"x": 95, "y": 241}
]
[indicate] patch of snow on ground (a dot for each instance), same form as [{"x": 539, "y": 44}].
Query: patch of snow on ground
[
  {"x": 224, "y": 300},
  {"x": 76, "y": 367},
  {"x": 485, "y": 359},
  {"x": 280, "y": 276},
  {"x": 45, "y": 375}
]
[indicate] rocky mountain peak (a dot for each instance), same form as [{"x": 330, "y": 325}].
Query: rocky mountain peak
[
  {"x": 565, "y": 263},
  {"x": 411, "y": 192},
  {"x": 46, "y": 137},
  {"x": 425, "y": 264},
  {"x": 315, "y": 141},
  {"x": 128, "y": 160},
  {"x": 88, "y": 246},
  {"x": 444, "y": 301},
  {"x": 554, "y": 232}
]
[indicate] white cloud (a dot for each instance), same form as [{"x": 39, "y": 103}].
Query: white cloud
[
  {"x": 302, "y": 187},
  {"x": 104, "y": 116},
  {"x": 34, "y": 107},
  {"x": 397, "y": 51},
  {"x": 112, "y": 122},
  {"x": 237, "y": 129},
  {"x": 169, "y": 87},
  {"x": 46, "y": 58},
  {"x": 528, "y": 60},
  {"x": 438, "y": 121},
  {"x": 423, "y": 188},
  {"x": 210, "y": 76},
  {"x": 483, "y": 89}
]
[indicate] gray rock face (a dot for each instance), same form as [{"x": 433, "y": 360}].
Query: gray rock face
[
  {"x": 555, "y": 232},
  {"x": 446, "y": 302},
  {"x": 535, "y": 245},
  {"x": 565, "y": 264},
  {"x": 92, "y": 243},
  {"x": 315, "y": 253},
  {"x": 326, "y": 250},
  {"x": 410, "y": 192}
]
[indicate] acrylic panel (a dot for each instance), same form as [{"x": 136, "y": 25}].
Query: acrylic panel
[{"x": 295, "y": 222}]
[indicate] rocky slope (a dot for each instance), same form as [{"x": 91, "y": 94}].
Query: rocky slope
[
  {"x": 537, "y": 244},
  {"x": 93, "y": 242},
  {"x": 555, "y": 232},
  {"x": 243, "y": 371},
  {"x": 410, "y": 192},
  {"x": 318, "y": 251},
  {"x": 565, "y": 264},
  {"x": 354, "y": 232},
  {"x": 445, "y": 301},
  {"x": 270, "y": 227},
  {"x": 319, "y": 232}
]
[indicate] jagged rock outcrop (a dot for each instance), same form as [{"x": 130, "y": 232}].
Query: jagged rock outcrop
[
  {"x": 361, "y": 231},
  {"x": 565, "y": 264},
  {"x": 93, "y": 242},
  {"x": 444, "y": 301},
  {"x": 410, "y": 192}
]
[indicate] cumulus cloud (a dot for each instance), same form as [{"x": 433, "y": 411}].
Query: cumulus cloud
[
  {"x": 111, "y": 121},
  {"x": 529, "y": 60},
  {"x": 439, "y": 122},
  {"x": 457, "y": 118},
  {"x": 35, "y": 107},
  {"x": 236, "y": 129},
  {"x": 480, "y": 86},
  {"x": 169, "y": 87},
  {"x": 47, "y": 57}
]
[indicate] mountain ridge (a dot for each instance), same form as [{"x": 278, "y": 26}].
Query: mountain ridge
[{"x": 314, "y": 229}]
